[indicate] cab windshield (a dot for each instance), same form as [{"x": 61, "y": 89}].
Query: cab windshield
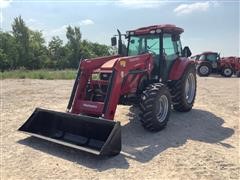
[
  {"x": 143, "y": 44},
  {"x": 209, "y": 57}
]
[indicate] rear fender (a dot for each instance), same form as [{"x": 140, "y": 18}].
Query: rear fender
[{"x": 179, "y": 67}]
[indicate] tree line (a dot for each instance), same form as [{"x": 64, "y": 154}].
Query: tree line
[{"x": 27, "y": 49}]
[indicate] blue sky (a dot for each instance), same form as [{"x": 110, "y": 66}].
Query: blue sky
[{"x": 208, "y": 25}]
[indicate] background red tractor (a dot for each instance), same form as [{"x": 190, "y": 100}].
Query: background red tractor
[
  {"x": 210, "y": 62},
  {"x": 153, "y": 73},
  {"x": 233, "y": 63}
]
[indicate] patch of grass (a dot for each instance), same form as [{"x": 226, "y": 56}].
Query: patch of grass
[{"x": 39, "y": 74}]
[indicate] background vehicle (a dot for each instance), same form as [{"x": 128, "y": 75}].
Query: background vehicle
[
  {"x": 233, "y": 63},
  {"x": 153, "y": 72},
  {"x": 195, "y": 58},
  {"x": 210, "y": 62}
]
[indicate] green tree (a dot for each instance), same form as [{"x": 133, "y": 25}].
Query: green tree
[
  {"x": 86, "y": 50},
  {"x": 37, "y": 51},
  {"x": 57, "y": 53},
  {"x": 4, "y": 63},
  {"x": 91, "y": 50},
  {"x": 74, "y": 41},
  {"x": 26, "y": 48},
  {"x": 100, "y": 50},
  {"x": 21, "y": 34},
  {"x": 9, "y": 47}
]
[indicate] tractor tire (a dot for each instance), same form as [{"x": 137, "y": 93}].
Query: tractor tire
[
  {"x": 204, "y": 69},
  {"x": 155, "y": 106},
  {"x": 183, "y": 91},
  {"x": 238, "y": 73},
  {"x": 227, "y": 71}
]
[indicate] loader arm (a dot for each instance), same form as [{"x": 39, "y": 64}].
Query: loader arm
[
  {"x": 121, "y": 69},
  {"x": 97, "y": 63}
]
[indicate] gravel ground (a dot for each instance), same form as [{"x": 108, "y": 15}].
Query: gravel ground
[{"x": 201, "y": 144}]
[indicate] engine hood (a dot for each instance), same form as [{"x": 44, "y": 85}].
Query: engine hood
[{"x": 109, "y": 64}]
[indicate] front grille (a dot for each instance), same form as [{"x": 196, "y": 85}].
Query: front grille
[{"x": 105, "y": 76}]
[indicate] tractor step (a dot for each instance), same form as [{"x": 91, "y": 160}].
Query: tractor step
[{"x": 94, "y": 135}]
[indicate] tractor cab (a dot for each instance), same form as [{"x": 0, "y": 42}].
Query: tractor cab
[
  {"x": 211, "y": 57},
  {"x": 162, "y": 41},
  {"x": 208, "y": 62}
]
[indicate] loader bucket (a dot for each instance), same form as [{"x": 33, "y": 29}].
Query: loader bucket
[{"x": 94, "y": 135}]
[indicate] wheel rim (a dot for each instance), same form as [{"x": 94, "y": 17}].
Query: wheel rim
[
  {"x": 204, "y": 69},
  {"x": 162, "y": 108},
  {"x": 190, "y": 88},
  {"x": 227, "y": 72}
]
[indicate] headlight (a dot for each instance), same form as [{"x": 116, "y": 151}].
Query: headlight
[
  {"x": 158, "y": 30},
  {"x": 95, "y": 76},
  {"x": 152, "y": 31}
]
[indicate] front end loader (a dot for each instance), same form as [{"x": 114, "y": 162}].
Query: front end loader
[{"x": 153, "y": 73}]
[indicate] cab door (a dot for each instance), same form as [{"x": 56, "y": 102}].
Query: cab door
[{"x": 171, "y": 51}]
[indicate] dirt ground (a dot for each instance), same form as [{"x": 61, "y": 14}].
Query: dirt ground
[{"x": 201, "y": 144}]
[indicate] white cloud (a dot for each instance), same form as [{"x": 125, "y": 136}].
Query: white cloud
[
  {"x": 59, "y": 31},
  {"x": 194, "y": 7},
  {"x": 86, "y": 22},
  {"x": 1, "y": 17},
  {"x": 62, "y": 30},
  {"x": 5, "y": 3},
  {"x": 139, "y": 4},
  {"x": 35, "y": 24},
  {"x": 31, "y": 20}
]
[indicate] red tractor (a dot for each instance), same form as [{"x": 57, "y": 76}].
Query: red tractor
[
  {"x": 233, "y": 63},
  {"x": 153, "y": 73},
  {"x": 210, "y": 62}
]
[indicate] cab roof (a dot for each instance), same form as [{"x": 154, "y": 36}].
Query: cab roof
[
  {"x": 208, "y": 52},
  {"x": 170, "y": 28}
]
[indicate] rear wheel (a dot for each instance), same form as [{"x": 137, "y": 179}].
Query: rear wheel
[
  {"x": 238, "y": 74},
  {"x": 155, "y": 105},
  {"x": 183, "y": 91},
  {"x": 227, "y": 72},
  {"x": 204, "y": 69}
]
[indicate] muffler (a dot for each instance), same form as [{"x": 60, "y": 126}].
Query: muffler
[{"x": 94, "y": 135}]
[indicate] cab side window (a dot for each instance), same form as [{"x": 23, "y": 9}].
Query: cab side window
[
  {"x": 202, "y": 58},
  {"x": 170, "y": 48},
  {"x": 212, "y": 57}
]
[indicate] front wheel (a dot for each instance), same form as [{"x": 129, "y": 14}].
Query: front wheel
[
  {"x": 227, "y": 72},
  {"x": 155, "y": 105}
]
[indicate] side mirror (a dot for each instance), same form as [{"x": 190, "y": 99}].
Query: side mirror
[
  {"x": 186, "y": 52},
  {"x": 113, "y": 41}
]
